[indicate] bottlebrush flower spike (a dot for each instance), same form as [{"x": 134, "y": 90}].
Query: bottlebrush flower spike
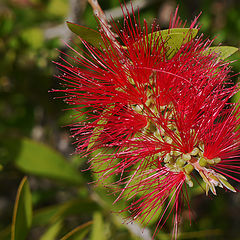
[{"x": 158, "y": 113}]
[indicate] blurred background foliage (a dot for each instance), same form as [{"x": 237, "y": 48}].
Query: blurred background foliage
[{"x": 55, "y": 201}]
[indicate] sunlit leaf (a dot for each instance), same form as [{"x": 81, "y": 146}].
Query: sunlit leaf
[
  {"x": 174, "y": 38},
  {"x": 22, "y": 214},
  {"x": 39, "y": 159},
  {"x": 188, "y": 33},
  {"x": 89, "y": 35},
  {"x": 223, "y": 52}
]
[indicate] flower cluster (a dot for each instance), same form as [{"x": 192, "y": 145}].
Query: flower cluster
[{"x": 158, "y": 112}]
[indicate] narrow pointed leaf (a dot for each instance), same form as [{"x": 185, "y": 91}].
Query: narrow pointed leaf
[
  {"x": 22, "y": 214},
  {"x": 39, "y": 159},
  {"x": 98, "y": 227},
  {"x": 188, "y": 33},
  {"x": 223, "y": 52},
  {"x": 174, "y": 38},
  {"x": 53, "y": 231},
  {"x": 89, "y": 35}
]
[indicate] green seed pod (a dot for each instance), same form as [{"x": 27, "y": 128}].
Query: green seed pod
[
  {"x": 188, "y": 168},
  {"x": 180, "y": 162},
  {"x": 202, "y": 162}
]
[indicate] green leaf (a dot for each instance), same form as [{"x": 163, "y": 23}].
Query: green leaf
[
  {"x": 91, "y": 36},
  {"x": 103, "y": 120},
  {"x": 39, "y": 159},
  {"x": 80, "y": 231},
  {"x": 80, "y": 235},
  {"x": 174, "y": 38},
  {"x": 98, "y": 168},
  {"x": 45, "y": 215},
  {"x": 223, "y": 52},
  {"x": 97, "y": 132},
  {"x": 188, "y": 33},
  {"x": 108, "y": 199},
  {"x": 53, "y": 231},
  {"x": 173, "y": 43},
  {"x": 51, "y": 214},
  {"x": 98, "y": 227},
  {"x": 22, "y": 214}
]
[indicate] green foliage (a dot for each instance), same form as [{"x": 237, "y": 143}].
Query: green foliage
[
  {"x": 223, "y": 52},
  {"x": 87, "y": 34},
  {"x": 22, "y": 214},
  {"x": 174, "y": 38},
  {"x": 78, "y": 233},
  {"x": 98, "y": 227},
  {"x": 37, "y": 158},
  {"x": 53, "y": 231}
]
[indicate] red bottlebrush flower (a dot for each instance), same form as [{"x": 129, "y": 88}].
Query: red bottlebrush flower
[{"x": 158, "y": 110}]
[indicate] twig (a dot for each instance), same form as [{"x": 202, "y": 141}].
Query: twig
[{"x": 103, "y": 20}]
